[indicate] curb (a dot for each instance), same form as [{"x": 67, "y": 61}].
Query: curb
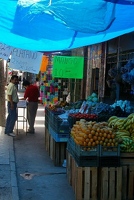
[{"x": 14, "y": 184}]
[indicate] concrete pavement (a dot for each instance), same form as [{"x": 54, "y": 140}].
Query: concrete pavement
[
  {"x": 8, "y": 180},
  {"x": 26, "y": 171}
]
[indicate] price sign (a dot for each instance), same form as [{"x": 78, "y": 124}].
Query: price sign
[{"x": 68, "y": 67}]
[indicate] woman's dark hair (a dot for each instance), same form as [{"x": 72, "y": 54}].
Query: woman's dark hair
[{"x": 26, "y": 83}]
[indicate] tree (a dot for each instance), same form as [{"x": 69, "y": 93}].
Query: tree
[{"x": 2, "y": 94}]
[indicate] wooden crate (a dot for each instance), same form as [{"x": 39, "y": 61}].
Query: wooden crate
[
  {"x": 111, "y": 183},
  {"x": 83, "y": 180},
  {"x": 128, "y": 182},
  {"x": 56, "y": 150},
  {"x": 100, "y": 183},
  {"x": 127, "y": 159},
  {"x": 47, "y": 140}
]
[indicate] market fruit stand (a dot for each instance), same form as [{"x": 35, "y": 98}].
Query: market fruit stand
[
  {"x": 99, "y": 155},
  {"x": 55, "y": 142}
]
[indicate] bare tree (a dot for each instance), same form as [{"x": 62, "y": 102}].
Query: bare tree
[{"x": 2, "y": 94}]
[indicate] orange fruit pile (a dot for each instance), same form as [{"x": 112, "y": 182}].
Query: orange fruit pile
[{"x": 92, "y": 133}]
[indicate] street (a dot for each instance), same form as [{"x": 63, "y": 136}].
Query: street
[{"x": 38, "y": 178}]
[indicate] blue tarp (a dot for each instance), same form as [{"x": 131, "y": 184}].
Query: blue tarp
[{"x": 53, "y": 25}]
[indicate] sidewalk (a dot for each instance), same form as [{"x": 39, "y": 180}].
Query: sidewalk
[
  {"x": 8, "y": 180},
  {"x": 26, "y": 170}
]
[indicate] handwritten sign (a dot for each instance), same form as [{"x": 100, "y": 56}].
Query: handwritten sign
[
  {"x": 24, "y": 60},
  {"x": 44, "y": 63},
  {"x": 5, "y": 51},
  {"x": 68, "y": 67}
]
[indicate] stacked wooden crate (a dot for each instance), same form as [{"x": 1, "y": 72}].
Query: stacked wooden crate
[{"x": 100, "y": 183}]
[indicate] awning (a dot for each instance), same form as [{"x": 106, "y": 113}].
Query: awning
[{"x": 52, "y": 25}]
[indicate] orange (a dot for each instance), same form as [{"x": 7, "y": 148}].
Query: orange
[
  {"x": 104, "y": 144},
  {"x": 108, "y": 136},
  {"x": 89, "y": 127},
  {"x": 106, "y": 140},
  {"x": 105, "y": 135},
  {"x": 90, "y": 136},
  {"x": 110, "y": 132},
  {"x": 102, "y": 130},
  {"x": 108, "y": 144},
  {"x": 85, "y": 136},
  {"x": 96, "y": 142},
  {"x": 96, "y": 133},
  {"x": 85, "y": 144},
  {"x": 88, "y": 131},
  {"x": 95, "y": 137},
  {"x": 98, "y": 130},
  {"x": 87, "y": 140},
  {"x": 89, "y": 143},
  {"x": 100, "y": 134},
  {"x": 112, "y": 136},
  {"x": 106, "y": 130},
  {"x": 92, "y": 132},
  {"x": 112, "y": 144},
  {"x": 93, "y": 144},
  {"x": 113, "y": 140},
  {"x": 91, "y": 140}
]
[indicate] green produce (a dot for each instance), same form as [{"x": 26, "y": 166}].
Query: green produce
[
  {"x": 127, "y": 145},
  {"x": 122, "y": 123}
]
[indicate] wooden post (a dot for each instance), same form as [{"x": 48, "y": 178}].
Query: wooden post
[{"x": 2, "y": 95}]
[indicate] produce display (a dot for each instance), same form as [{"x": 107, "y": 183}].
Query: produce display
[
  {"x": 90, "y": 134},
  {"x": 93, "y": 97},
  {"x": 83, "y": 116},
  {"x": 59, "y": 104},
  {"x": 95, "y": 123},
  {"x": 115, "y": 131},
  {"x": 124, "y": 130},
  {"x": 127, "y": 145},
  {"x": 128, "y": 72},
  {"x": 121, "y": 107}
]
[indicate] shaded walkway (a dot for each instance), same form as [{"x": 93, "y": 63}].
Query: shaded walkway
[{"x": 38, "y": 178}]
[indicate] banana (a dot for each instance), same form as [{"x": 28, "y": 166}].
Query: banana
[
  {"x": 130, "y": 116},
  {"x": 132, "y": 126},
  {"x": 124, "y": 131},
  {"x": 127, "y": 145},
  {"x": 118, "y": 123},
  {"x": 128, "y": 127},
  {"x": 112, "y": 118},
  {"x": 112, "y": 122},
  {"x": 132, "y": 134},
  {"x": 132, "y": 120},
  {"x": 128, "y": 122}
]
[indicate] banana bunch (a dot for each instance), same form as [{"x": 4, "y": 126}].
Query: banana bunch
[
  {"x": 127, "y": 145},
  {"x": 116, "y": 123},
  {"x": 129, "y": 123},
  {"x": 122, "y": 134},
  {"x": 132, "y": 137}
]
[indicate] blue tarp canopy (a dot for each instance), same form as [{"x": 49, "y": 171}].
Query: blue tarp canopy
[{"x": 53, "y": 25}]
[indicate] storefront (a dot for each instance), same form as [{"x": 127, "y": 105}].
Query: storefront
[{"x": 95, "y": 134}]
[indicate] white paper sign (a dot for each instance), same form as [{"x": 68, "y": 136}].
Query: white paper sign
[
  {"x": 5, "y": 51},
  {"x": 27, "y": 61}
]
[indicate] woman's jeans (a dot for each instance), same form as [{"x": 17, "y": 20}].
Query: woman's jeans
[{"x": 11, "y": 118}]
